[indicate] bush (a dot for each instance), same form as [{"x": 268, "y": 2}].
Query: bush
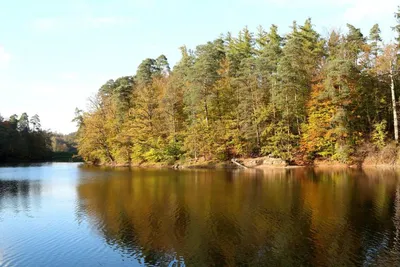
[
  {"x": 173, "y": 151},
  {"x": 379, "y": 134},
  {"x": 280, "y": 142},
  {"x": 388, "y": 155},
  {"x": 342, "y": 153}
]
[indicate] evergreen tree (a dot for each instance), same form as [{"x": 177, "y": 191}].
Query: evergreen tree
[
  {"x": 298, "y": 97},
  {"x": 375, "y": 39},
  {"x": 20, "y": 143},
  {"x": 23, "y": 123},
  {"x": 396, "y": 28},
  {"x": 35, "y": 122}
]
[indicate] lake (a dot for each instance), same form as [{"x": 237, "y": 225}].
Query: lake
[{"x": 68, "y": 214}]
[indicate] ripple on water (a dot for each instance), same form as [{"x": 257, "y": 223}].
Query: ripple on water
[{"x": 211, "y": 218}]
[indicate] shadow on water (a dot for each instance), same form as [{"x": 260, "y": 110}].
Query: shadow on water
[{"x": 295, "y": 217}]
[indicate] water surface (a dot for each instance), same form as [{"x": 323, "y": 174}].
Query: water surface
[{"x": 73, "y": 215}]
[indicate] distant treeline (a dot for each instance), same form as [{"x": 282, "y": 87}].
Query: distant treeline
[
  {"x": 64, "y": 143},
  {"x": 64, "y": 148},
  {"x": 299, "y": 97},
  {"x": 23, "y": 140}
]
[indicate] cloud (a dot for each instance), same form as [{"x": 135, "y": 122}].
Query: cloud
[{"x": 4, "y": 57}]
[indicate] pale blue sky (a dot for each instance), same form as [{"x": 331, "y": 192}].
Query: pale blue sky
[{"x": 56, "y": 54}]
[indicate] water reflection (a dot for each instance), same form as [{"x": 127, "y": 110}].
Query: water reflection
[
  {"x": 215, "y": 218},
  {"x": 19, "y": 195}
]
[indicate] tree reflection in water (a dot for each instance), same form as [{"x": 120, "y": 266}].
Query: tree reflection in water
[
  {"x": 262, "y": 218},
  {"x": 19, "y": 194}
]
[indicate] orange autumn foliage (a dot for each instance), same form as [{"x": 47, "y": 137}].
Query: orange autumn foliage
[{"x": 318, "y": 137}]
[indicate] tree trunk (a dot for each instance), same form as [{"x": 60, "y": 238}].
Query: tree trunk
[
  {"x": 237, "y": 163},
  {"x": 109, "y": 155},
  {"x": 395, "y": 120},
  {"x": 258, "y": 136},
  {"x": 237, "y": 109},
  {"x": 288, "y": 119},
  {"x": 206, "y": 110},
  {"x": 254, "y": 104},
  {"x": 174, "y": 123}
]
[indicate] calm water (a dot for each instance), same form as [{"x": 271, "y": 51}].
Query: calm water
[{"x": 71, "y": 215}]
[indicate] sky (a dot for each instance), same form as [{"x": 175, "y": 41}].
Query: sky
[{"x": 54, "y": 55}]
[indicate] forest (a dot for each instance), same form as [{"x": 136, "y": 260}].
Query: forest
[
  {"x": 22, "y": 139},
  {"x": 298, "y": 96}
]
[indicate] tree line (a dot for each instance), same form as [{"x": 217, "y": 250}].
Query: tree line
[
  {"x": 64, "y": 143},
  {"x": 23, "y": 140},
  {"x": 64, "y": 147},
  {"x": 297, "y": 96}
]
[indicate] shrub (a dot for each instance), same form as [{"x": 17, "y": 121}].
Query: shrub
[{"x": 379, "y": 134}]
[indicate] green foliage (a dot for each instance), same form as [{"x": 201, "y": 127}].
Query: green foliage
[
  {"x": 65, "y": 157},
  {"x": 153, "y": 155},
  {"x": 293, "y": 96},
  {"x": 23, "y": 140},
  {"x": 375, "y": 39},
  {"x": 173, "y": 151},
  {"x": 64, "y": 143},
  {"x": 342, "y": 152},
  {"x": 396, "y": 28},
  {"x": 379, "y": 134},
  {"x": 280, "y": 142}
]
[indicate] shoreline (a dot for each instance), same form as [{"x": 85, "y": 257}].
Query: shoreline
[
  {"x": 224, "y": 165},
  {"x": 261, "y": 163},
  {"x": 260, "y": 166}
]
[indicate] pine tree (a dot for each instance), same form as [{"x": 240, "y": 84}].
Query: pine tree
[
  {"x": 375, "y": 39},
  {"x": 35, "y": 122},
  {"x": 300, "y": 61},
  {"x": 248, "y": 95},
  {"x": 23, "y": 123},
  {"x": 396, "y": 28}
]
